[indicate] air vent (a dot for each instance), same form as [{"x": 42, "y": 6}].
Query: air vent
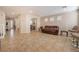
[{"x": 64, "y": 7}]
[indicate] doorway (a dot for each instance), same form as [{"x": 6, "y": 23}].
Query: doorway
[
  {"x": 10, "y": 27},
  {"x": 33, "y": 24}
]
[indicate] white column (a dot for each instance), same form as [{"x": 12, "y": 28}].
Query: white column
[
  {"x": 25, "y": 24},
  {"x": 38, "y": 23}
]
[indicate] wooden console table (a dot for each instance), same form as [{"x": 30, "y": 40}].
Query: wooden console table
[{"x": 64, "y": 31}]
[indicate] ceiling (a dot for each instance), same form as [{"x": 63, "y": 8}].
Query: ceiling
[{"x": 36, "y": 10}]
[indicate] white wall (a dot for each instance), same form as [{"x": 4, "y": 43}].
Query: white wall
[
  {"x": 68, "y": 20},
  {"x": 78, "y": 16}
]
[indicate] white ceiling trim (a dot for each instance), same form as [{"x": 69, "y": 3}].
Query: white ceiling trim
[{"x": 36, "y": 10}]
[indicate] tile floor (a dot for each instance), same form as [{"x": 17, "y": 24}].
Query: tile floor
[{"x": 36, "y": 42}]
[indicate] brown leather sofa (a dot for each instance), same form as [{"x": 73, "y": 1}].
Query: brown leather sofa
[{"x": 50, "y": 29}]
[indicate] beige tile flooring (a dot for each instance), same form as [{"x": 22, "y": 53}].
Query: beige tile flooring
[{"x": 36, "y": 42}]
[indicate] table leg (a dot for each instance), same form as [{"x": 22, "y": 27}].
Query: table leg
[
  {"x": 67, "y": 34},
  {"x": 61, "y": 33}
]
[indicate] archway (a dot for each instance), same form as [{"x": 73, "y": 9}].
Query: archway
[{"x": 34, "y": 23}]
